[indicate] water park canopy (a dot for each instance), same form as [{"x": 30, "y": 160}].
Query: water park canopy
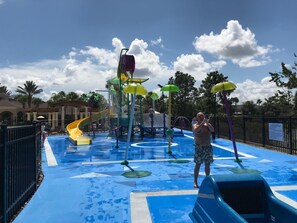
[
  {"x": 223, "y": 86},
  {"x": 154, "y": 96},
  {"x": 116, "y": 80},
  {"x": 135, "y": 89},
  {"x": 170, "y": 88},
  {"x": 137, "y": 80}
]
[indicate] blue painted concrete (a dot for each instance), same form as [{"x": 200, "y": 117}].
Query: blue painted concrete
[
  {"x": 87, "y": 184},
  {"x": 163, "y": 208}
]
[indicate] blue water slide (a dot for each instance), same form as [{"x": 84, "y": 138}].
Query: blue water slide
[{"x": 238, "y": 198}]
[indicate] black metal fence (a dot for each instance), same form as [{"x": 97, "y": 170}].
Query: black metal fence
[
  {"x": 20, "y": 167},
  {"x": 270, "y": 132}
]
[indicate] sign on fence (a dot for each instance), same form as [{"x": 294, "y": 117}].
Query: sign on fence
[{"x": 276, "y": 131}]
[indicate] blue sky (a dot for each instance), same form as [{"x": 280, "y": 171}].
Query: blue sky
[{"x": 74, "y": 45}]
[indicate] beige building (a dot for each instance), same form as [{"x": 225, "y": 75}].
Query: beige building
[
  {"x": 11, "y": 111},
  {"x": 59, "y": 116}
]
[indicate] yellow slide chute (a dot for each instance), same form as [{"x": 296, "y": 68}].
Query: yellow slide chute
[{"x": 74, "y": 128}]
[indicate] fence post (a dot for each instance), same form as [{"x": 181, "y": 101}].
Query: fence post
[
  {"x": 290, "y": 135},
  {"x": 164, "y": 124},
  {"x": 36, "y": 152},
  {"x": 218, "y": 126},
  {"x": 37, "y": 148},
  {"x": 244, "y": 129},
  {"x": 263, "y": 132},
  {"x": 5, "y": 175},
  {"x": 229, "y": 132}
]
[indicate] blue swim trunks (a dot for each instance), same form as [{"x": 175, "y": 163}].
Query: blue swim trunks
[{"x": 203, "y": 154}]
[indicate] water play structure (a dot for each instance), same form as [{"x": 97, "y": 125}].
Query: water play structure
[
  {"x": 126, "y": 68},
  {"x": 239, "y": 198},
  {"x": 122, "y": 91}
]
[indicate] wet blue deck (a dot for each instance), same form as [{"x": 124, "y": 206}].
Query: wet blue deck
[{"x": 85, "y": 183}]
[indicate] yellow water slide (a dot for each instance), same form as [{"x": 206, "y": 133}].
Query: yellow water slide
[{"x": 74, "y": 129}]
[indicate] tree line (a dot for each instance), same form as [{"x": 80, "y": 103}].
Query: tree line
[
  {"x": 26, "y": 95},
  {"x": 188, "y": 100}
]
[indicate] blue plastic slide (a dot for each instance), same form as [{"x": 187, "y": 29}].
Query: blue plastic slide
[{"x": 240, "y": 198}]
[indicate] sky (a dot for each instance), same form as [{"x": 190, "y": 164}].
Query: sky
[{"x": 74, "y": 45}]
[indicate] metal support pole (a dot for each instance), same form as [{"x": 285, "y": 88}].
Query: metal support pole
[
  {"x": 244, "y": 128},
  {"x": 5, "y": 174},
  {"x": 263, "y": 132},
  {"x": 290, "y": 135}
]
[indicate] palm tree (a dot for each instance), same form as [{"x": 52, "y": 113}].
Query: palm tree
[
  {"x": 37, "y": 102},
  {"x": 57, "y": 98},
  {"x": 29, "y": 89},
  {"x": 3, "y": 89},
  {"x": 22, "y": 99}
]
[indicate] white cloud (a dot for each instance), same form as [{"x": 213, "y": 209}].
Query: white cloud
[
  {"x": 195, "y": 65},
  {"x": 234, "y": 43},
  {"x": 156, "y": 42},
  {"x": 103, "y": 57},
  {"x": 148, "y": 64},
  {"x": 1, "y": 2},
  {"x": 118, "y": 45},
  {"x": 252, "y": 91},
  {"x": 66, "y": 74},
  {"x": 84, "y": 70}
]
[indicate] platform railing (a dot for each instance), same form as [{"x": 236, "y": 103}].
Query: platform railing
[{"x": 20, "y": 167}]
